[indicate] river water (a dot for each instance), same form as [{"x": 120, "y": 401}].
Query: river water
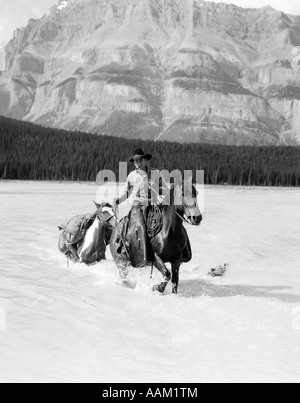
[{"x": 78, "y": 324}]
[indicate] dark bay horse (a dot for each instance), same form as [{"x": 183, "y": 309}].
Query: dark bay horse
[{"x": 170, "y": 244}]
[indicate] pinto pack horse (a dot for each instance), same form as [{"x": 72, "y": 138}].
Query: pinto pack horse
[
  {"x": 98, "y": 236},
  {"x": 171, "y": 243},
  {"x": 92, "y": 248}
]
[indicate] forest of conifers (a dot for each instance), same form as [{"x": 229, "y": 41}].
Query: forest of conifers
[{"x": 30, "y": 152}]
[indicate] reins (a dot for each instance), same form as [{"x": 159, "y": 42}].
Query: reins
[
  {"x": 182, "y": 218},
  {"x": 172, "y": 208}
]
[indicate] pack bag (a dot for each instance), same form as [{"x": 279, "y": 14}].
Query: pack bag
[{"x": 75, "y": 229}]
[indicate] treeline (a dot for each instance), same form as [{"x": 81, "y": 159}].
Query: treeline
[{"x": 31, "y": 152}]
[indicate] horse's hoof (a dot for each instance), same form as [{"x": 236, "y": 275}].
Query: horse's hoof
[{"x": 160, "y": 287}]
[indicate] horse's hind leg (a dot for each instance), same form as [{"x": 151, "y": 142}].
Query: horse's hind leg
[
  {"x": 175, "y": 276},
  {"x": 159, "y": 264}
]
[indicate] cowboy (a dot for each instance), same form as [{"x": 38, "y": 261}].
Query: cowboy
[
  {"x": 140, "y": 182},
  {"x": 144, "y": 187}
]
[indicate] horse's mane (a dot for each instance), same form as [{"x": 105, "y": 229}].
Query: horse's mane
[{"x": 183, "y": 185}]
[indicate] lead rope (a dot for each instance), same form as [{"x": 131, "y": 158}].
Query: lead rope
[
  {"x": 152, "y": 270},
  {"x": 154, "y": 221}
]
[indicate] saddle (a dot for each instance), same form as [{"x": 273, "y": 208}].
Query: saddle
[
  {"x": 75, "y": 229},
  {"x": 73, "y": 233},
  {"x": 136, "y": 232}
]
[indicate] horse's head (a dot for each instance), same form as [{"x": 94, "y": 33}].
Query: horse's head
[
  {"x": 186, "y": 199},
  {"x": 105, "y": 211}
]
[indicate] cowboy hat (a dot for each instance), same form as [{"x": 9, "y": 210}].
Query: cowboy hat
[{"x": 138, "y": 154}]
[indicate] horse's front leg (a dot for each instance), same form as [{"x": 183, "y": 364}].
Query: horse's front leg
[
  {"x": 118, "y": 252},
  {"x": 159, "y": 264},
  {"x": 175, "y": 275},
  {"x": 123, "y": 266}
]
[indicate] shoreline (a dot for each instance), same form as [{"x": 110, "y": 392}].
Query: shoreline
[{"x": 88, "y": 183}]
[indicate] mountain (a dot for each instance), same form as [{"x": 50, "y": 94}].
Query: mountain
[
  {"x": 175, "y": 70},
  {"x": 2, "y": 59}
]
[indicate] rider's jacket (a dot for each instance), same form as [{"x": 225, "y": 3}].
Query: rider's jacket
[{"x": 144, "y": 187}]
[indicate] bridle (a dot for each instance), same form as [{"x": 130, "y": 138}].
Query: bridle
[
  {"x": 103, "y": 219},
  {"x": 174, "y": 210},
  {"x": 185, "y": 207}
]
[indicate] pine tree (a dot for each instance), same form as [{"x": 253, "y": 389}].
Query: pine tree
[{"x": 35, "y": 153}]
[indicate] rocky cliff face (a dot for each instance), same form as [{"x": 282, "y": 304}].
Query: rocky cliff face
[
  {"x": 2, "y": 59},
  {"x": 175, "y": 70}
]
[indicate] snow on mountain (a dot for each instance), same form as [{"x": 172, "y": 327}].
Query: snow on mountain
[{"x": 62, "y": 5}]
